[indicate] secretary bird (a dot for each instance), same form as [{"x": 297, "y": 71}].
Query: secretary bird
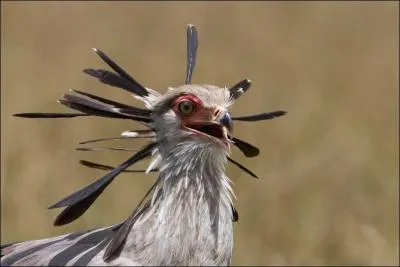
[{"x": 186, "y": 217}]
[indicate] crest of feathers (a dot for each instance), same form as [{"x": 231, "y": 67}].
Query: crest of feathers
[{"x": 86, "y": 104}]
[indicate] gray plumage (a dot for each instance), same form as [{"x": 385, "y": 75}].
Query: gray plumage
[
  {"x": 189, "y": 218},
  {"x": 186, "y": 218}
]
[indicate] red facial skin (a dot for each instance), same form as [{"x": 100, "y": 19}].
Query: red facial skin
[{"x": 200, "y": 115}]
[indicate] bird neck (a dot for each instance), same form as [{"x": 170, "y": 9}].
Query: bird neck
[
  {"x": 190, "y": 218},
  {"x": 198, "y": 166}
]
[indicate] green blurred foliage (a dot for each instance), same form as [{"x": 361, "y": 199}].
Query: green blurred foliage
[{"x": 328, "y": 192}]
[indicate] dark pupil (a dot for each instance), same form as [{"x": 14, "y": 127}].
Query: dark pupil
[{"x": 186, "y": 106}]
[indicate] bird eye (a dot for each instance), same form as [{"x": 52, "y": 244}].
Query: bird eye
[{"x": 186, "y": 107}]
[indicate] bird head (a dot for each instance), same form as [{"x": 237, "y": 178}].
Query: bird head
[{"x": 196, "y": 114}]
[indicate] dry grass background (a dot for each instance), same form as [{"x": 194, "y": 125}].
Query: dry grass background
[{"x": 328, "y": 192}]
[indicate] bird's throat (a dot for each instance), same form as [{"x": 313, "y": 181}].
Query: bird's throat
[{"x": 190, "y": 219}]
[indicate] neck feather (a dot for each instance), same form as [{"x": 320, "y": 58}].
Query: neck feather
[{"x": 190, "y": 218}]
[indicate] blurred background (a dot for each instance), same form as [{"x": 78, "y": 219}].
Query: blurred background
[{"x": 329, "y": 173}]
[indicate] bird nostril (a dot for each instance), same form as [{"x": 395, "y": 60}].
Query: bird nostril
[{"x": 216, "y": 113}]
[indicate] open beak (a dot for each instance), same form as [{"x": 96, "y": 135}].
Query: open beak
[{"x": 218, "y": 128}]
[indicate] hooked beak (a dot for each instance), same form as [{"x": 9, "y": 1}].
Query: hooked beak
[
  {"x": 217, "y": 128},
  {"x": 226, "y": 121}
]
